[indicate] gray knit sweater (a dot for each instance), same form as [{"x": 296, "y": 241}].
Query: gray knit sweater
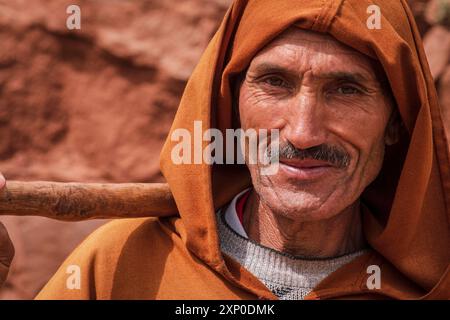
[{"x": 288, "y": 277}]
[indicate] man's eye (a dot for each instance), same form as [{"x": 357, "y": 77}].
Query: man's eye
[
  {"x": 348, "y": 90},
  {"x": 275, "y": 81}
]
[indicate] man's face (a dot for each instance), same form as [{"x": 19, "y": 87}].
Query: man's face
[{"x": 333, "y": 117}]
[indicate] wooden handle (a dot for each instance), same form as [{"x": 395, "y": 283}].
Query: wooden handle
[{"x": 83, "y": 201}]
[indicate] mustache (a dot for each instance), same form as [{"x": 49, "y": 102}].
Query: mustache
[{"x": 324, "y": 152}]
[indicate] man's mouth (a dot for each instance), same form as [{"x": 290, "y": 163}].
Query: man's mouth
[{"x": 306, "y": 169}]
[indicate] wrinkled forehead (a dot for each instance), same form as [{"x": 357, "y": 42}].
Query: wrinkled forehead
[
  {"x": 316, "y": 40},
  {"x": 303, "y": 50}
]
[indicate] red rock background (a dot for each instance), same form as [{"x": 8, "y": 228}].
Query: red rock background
[{"x": 95, "y": 104}]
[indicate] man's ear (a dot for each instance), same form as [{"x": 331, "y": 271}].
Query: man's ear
[{"x": 392, "y": 133}]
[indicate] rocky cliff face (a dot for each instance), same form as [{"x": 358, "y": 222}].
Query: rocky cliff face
[
  {"x": 95, "y": 104},
  {"x": 88, "y": 105},
  {"x": 433, "y": 18}
]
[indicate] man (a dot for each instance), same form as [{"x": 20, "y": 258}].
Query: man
[{"x": 358, "y": 207}]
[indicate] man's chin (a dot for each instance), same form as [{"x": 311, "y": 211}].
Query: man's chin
[{"x": 296, "y": 205}]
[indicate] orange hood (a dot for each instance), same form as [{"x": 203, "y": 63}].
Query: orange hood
[{"x": 407, "y": 221}]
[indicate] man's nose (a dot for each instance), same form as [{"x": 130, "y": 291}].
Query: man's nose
[{"x": 306, "y": 120}]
